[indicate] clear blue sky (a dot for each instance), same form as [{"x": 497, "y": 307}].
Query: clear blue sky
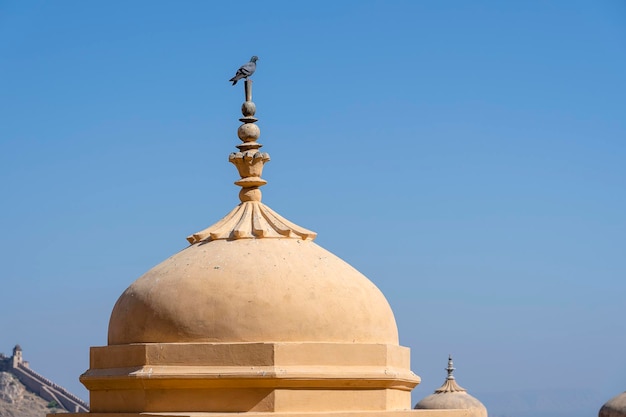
[{"x": 468, "y": 157}]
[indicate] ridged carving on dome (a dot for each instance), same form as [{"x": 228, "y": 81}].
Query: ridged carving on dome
[
  {"x": 450, "y": 386},
  {"x": 249, "y": 220}
]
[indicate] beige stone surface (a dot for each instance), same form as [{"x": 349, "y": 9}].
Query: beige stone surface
[
  {"x": 243, "y": 377},
  {"x": 615, "y": 407},
  {"x": 253, "y": 290},
  {"x": 274, "y": 325},
  {"x": 406, "y": 413},
  {"x": 453, "y": 400}
]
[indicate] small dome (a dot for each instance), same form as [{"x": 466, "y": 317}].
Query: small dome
[
  {"x": 615, "y": 407},
  {"x": 253, "y": 290},
  {"x": 451, "y": 396},
  {"x": 453, "y": 400}
]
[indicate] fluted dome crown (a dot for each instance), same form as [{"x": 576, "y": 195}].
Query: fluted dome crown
[
  {"x": 252, "y": 277},
  {"x": 615, "y": 407},
  {"x": 452, "y": 396}
]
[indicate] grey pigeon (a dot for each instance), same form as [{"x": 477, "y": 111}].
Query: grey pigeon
[{"x": 245, "y": 71}]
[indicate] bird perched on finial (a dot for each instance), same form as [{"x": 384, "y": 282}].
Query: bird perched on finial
[{"x": 245, "y": 70}]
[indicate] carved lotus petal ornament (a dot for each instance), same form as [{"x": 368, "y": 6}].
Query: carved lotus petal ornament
[{"x": 252, "y": 219}]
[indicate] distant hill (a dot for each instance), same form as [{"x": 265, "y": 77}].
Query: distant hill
[
  {"x": 17, "y": 401},
  {"x": 25, "y": 393}
]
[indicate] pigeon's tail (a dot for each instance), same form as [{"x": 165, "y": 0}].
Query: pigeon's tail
[{"x": 235, "y": 79}]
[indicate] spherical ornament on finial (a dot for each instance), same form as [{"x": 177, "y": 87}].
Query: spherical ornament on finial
[
  {"x": 248, "y": 108},
  {"x": 248, "y": 132}
]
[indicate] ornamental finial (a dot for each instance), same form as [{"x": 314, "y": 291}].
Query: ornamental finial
[
  {"x": 249, "y": 161},
  {"x": 251, "y": 219},
  {"x": 450, "y": 384},
  {"x": 450, "y": 367}
]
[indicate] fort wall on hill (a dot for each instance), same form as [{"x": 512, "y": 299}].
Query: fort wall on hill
[{"x": 39, "y": 384}]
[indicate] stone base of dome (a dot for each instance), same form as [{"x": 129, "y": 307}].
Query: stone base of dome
[
  {"x": 249, "y": 377},
  {"x": 401, "y": 413}
]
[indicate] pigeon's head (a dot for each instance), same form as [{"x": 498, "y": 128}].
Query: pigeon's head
[{"x": 254, "y": 58}]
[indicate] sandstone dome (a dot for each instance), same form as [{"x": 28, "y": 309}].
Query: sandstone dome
[
  {"x": 615, "y": 407},
  {"x": 451, "y": 396},
  {"x": 253, "y": 290},
  {"x": 252, "y": 277},
  {"x": 453, "y": 401},
  {"x": 251, "y": 317}
]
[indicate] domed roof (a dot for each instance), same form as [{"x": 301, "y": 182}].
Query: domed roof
[
  {"x": 615, "y": 407},
  {"x": 252, "y": 277},
  {"x": 253, "y": 290},
  {"x": 452, "y": 396}
]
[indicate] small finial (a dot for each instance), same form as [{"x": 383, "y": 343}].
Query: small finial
[
  {"x": 450, "y": 384},
  {"x": 450, "y": 367}
]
